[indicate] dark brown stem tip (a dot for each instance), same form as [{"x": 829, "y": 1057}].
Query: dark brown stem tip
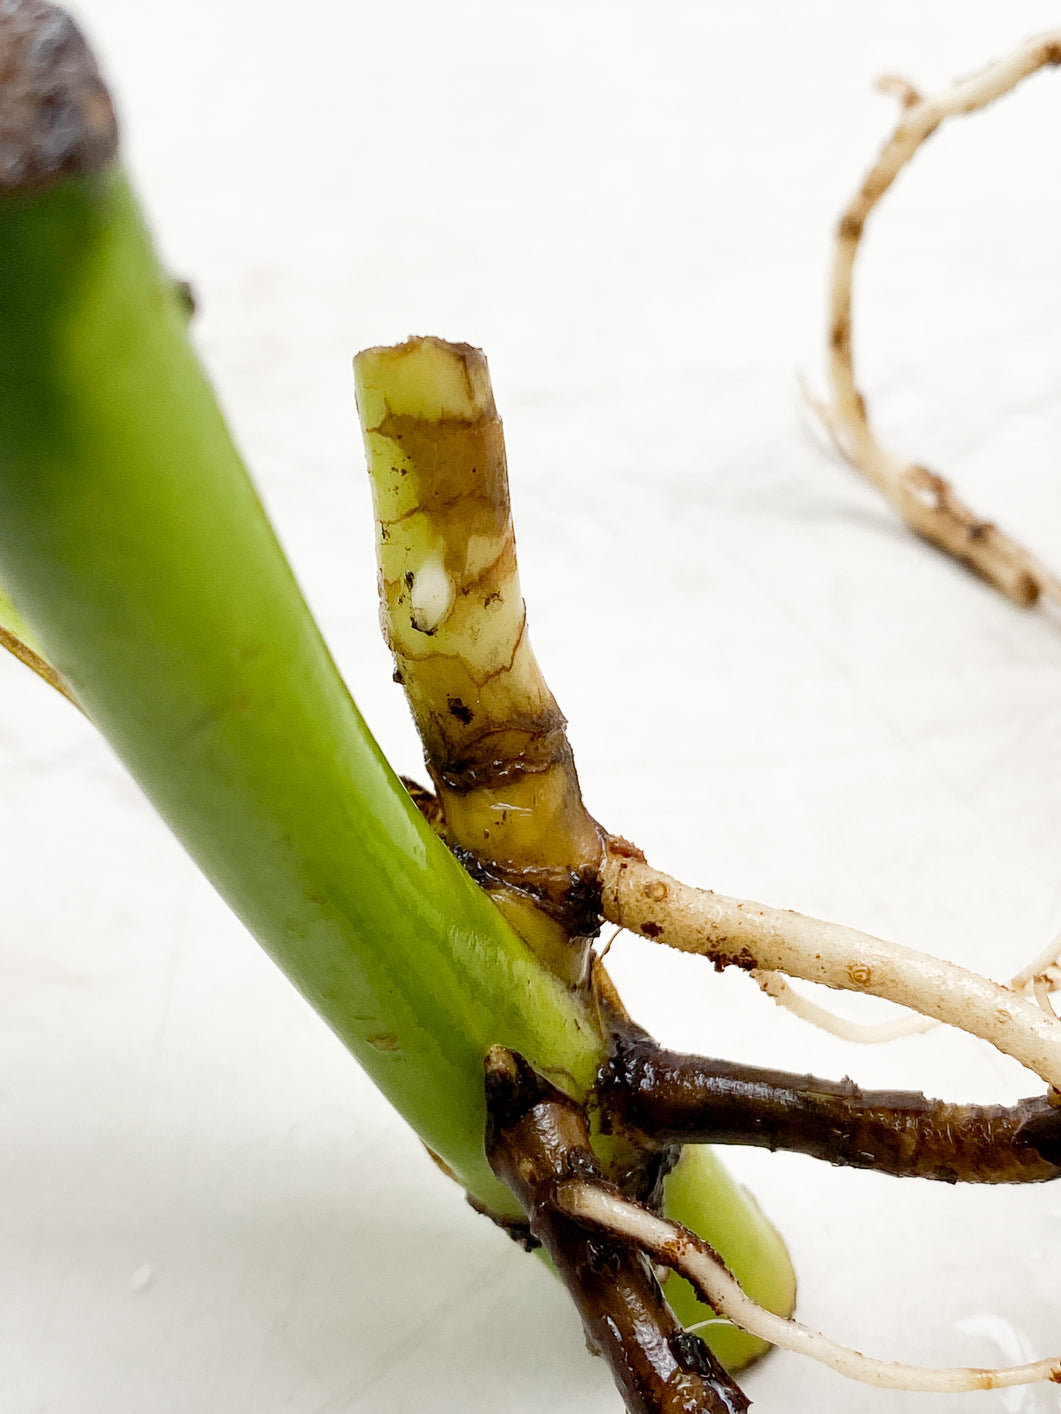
[
  {"x": 56, "y": 116},
  {"x": 513, "y": 1089}
]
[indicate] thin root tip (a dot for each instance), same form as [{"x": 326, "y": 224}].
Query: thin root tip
[{"x": 56, "y": 116}]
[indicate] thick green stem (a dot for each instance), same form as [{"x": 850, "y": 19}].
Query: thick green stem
[
  {"x": 135, "y": 546},
  {"x": 136, "y": 550}
]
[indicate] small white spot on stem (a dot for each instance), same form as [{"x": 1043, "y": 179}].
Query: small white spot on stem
[{"x": 432, "y": 595}]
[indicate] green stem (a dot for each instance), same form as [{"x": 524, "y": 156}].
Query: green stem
[
  {"x": 135, "y": 546},
  {"x": 136, "y": 549}
]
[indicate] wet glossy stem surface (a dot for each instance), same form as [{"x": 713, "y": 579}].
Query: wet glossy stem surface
[
  {"x": 675, "y": 1098},
  {"x": 536, "y": 1139}
]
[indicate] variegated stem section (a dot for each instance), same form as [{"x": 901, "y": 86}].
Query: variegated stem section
[{"x": 453, "y": 614}]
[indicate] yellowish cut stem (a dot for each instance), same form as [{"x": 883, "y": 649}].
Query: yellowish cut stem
[
  {"x": 924, "y": 499},
  {"x": 454, "y": 617}
]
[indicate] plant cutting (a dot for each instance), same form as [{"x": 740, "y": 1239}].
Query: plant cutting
[{"x": 443, "y": 934}]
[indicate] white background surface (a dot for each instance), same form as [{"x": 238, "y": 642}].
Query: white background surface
[{"x": 771, "y": 687}]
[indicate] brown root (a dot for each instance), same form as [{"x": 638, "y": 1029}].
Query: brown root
[
  {"x": 672, "y": 1098},
  {"x": 923, "y": 498},
  {"x": 537, "y": 1140}
]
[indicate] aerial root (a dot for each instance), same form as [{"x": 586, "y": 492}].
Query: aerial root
[
  {"x": 1040, "y": 978},
  {"x": 736, "y": 932},
  {"x": 774, "y": 985},
  {"x": 924, "y": 499},
  {"x": 667, "y": 1097},
  {"x": 675, "y": 1247},
  {"x": 536, "y": 1139}
]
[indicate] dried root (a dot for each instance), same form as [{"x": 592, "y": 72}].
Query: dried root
[
  {"x": 538, "y": 1142},
  {"x": 924, "y": 499}
]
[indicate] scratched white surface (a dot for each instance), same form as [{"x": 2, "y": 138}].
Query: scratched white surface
[{"x": 773, "y": 688}]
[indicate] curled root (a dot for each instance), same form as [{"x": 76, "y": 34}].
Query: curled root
[{"x": 924, "y": 499}]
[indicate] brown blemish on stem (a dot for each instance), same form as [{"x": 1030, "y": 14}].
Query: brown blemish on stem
[
  {"x": 384, "y": 1041},
  {"x": 623, "y": 849},
  {"x": 459, "y": 710},
  {"x": 34, "y": 661},
  {"x": 56, "y": 117}
]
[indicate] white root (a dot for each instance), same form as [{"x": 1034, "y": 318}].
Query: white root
[
  {"x": 752, "y": 936},
  {"x": 924, "y": 499},
  {"x": 1042, "y": 989},
  {"x": 861, "y": 1032},
  {"x": 1039, "y": 978},
  {"x": 1044, "y": 967},
  {"x": 679, "y": 1249}
]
